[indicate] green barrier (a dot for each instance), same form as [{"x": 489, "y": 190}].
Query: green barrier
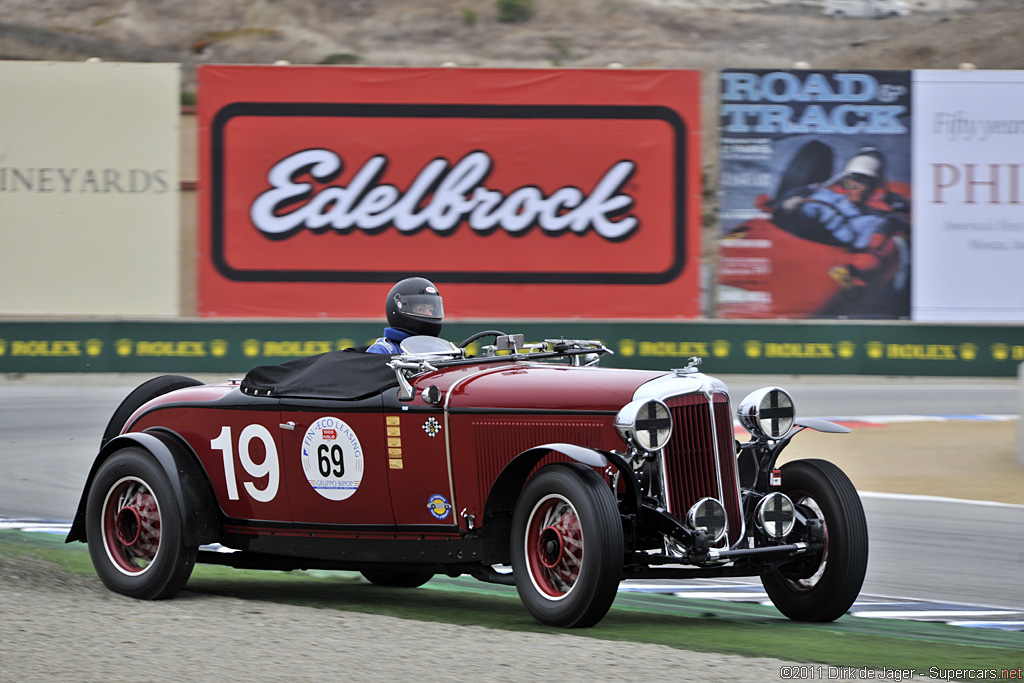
[{"x": 734, "y": 347}]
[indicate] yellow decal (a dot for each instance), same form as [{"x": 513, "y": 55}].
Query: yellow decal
[
  {"x": 46, "y": 348},
  {"x": 674, "y": 349},
  {"x": 296, "y": 348},
  {"x": 395, "y": 464},
  {"x": 923, "y": 352},
  {"x": 799, "y": 350}
]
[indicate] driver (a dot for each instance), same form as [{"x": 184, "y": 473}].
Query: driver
[
  {"x": 413, "y": 307},
  {"x": 837, "y": 211}
]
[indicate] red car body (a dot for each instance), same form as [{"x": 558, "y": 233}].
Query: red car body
[{"x": 443, "y": 463}]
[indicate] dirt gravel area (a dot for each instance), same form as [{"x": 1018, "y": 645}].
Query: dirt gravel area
[{"x": 56, "y": 626}]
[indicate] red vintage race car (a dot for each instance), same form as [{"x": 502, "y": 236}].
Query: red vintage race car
[{"x": 434, "y": 461}]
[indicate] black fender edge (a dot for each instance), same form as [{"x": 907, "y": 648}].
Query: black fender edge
[
  {"x": 193, "y": 494},
  {"x": 504, "y": 493}
]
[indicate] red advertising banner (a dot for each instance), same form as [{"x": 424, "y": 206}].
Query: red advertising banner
[{"x": 520, "y": 193}]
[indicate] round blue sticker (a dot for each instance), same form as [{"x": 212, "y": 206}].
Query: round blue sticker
[{"x": 439, "y": 506}]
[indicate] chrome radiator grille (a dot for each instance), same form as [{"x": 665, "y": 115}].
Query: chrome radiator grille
[{"x": 692, "y": 468}]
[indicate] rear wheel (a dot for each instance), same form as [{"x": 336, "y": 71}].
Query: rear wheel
[
  {"x": 397, "y": 578},
  {"x": 134, "y": 529},
  {"x": 822, "y": 588},
  {"x": 567, "y": 546}
]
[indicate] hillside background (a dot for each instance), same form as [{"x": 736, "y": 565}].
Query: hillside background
[
  {"x": 701, "y": 34},
  {"x": 691, "y": 34}
]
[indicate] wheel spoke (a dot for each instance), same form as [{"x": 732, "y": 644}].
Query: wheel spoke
[
  {"x": 567, "y": 546},
  {"x": 133, "y": 521},
  {"x": 557, "y": 546},
  {"x": 811, "y": 506}
]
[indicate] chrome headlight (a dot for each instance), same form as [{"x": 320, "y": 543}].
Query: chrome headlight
[
  {"x": 767, "y": 413},
  {"x": 646, "y": 424},
  {"x": 775, "y": 515},
  {"x": 708, "y": 515}
]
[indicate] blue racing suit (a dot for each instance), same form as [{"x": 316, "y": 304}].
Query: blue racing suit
[
  {"x": 389, "y": 343},
  {"x": 828, "y": 216}
]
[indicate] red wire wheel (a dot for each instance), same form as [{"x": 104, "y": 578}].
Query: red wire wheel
[
  {"x": 554, "y": 538},
  {"x": 567, "y": 546},
  {"x": 131, "y": 526},
  {"x": 134, "y": 528}
]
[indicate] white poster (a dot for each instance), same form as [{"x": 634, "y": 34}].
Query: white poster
[
  {"x": 89, "y": 216},
  {"x": 968, "y": 171}
]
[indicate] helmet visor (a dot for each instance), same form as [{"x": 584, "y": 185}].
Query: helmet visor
[
  {"x": 859, "y": 178},
  {"x": 420, "y": 305}
]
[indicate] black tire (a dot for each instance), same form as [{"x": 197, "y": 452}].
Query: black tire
[
  {"x": 397, "y": 578},
  {"x": 145, "y": 392},
  {"x": 824, "y": 587},
  {"x": 566, "y": 508},
  {"x": 135, "y": 530}
]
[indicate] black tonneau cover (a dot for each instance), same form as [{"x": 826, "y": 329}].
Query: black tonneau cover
[{"x": 348, "y": 374}]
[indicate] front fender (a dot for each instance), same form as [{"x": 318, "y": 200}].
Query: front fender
[
  {"x": 505, "y": 491},
  {"x": 757, "y": 459},
  {"x": 196, "y": 502},
  {"x": 501, "y": 501}
]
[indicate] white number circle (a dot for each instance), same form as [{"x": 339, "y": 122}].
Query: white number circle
[{"x": 332, "y": 458}]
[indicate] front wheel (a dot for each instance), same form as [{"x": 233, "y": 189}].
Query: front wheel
[
  {"x": 134, "y": 529},
  {"x": 567, "y": 546},
  {"x": 824, "y": 587}
]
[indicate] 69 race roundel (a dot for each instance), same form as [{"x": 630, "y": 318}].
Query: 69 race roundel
[{"x": 332, "y": 458}]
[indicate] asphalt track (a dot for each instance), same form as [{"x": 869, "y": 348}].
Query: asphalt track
[{"x": 931, "y": 558}]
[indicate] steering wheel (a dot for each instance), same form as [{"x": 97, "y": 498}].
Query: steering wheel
[{"x": 479, "y": 335}]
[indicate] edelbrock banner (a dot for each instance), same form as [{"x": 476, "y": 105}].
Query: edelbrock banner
[
  {"x": 815, "y": 194},
  {"x": 521, "y": 193}
]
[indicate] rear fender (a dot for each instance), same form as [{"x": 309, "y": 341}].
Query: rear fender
[{"x": 193, "y": 494}]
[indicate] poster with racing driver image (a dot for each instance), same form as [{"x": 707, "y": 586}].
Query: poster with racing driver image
[{"x": 815, "y": 194}]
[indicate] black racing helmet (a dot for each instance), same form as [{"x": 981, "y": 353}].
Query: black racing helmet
[{"x": 414, "y": 306}]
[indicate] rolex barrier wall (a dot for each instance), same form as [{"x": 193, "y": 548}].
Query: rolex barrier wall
[{"x": 735, "y": 347}]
